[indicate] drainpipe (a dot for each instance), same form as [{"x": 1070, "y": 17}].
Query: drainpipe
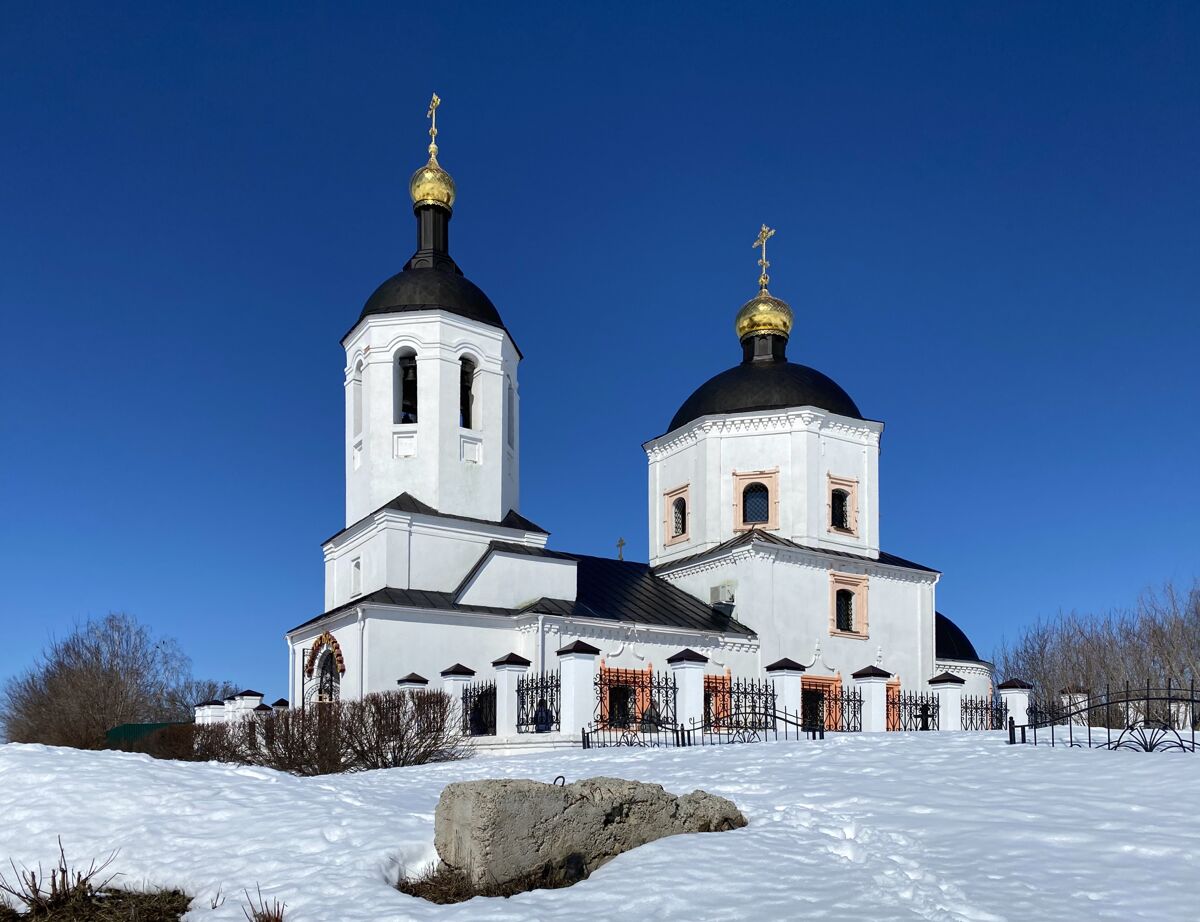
[
  {"x": 541, "y": 644},
  {"x": 362, "y": 655}
]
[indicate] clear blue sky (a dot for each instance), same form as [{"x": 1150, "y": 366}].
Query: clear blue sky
[{"x": 989, "y": 230}]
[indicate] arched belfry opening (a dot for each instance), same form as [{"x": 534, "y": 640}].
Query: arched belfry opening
[{"x": 405, "y": 387}]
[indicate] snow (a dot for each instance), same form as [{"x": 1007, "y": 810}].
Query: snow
[{"x": 940, "y": 826}]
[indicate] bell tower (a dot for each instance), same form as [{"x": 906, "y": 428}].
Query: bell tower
[{"x": 432, "y": 405}]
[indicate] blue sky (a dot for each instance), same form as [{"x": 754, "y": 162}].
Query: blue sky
[{"x": 988, "y": 228}]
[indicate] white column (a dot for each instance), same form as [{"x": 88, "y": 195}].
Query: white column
[
  {"x": 788, "y": 678},
  {"x": 687, "y": 666},
  {"x": 1074, "y": 700},
  {"x": 872, "y": 682},
  {"x": 577, "y": 689},
  {"x": 508, "y": 669},
  {"x": 949, "y": 688},
  {"x": 1015, "y": 695}
]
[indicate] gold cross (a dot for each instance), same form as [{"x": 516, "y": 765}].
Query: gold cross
[
  {"x": 432, "y": 116},
  {"x": 764, "y": 234},
  {"x": 620, "y": 549}
]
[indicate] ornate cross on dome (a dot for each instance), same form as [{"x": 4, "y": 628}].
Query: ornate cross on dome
[
  {"x": 765, "y": 234},
  {"x": 432, "y": 116}
]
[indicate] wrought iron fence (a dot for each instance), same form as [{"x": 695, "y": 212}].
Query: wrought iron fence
[
  {"x": 740, "y": 704},
  {"x": 538, "y": 703},
  {"x": 479, "y": 709},
  {"x": 980, "y": 712},
  {"x": 1143, "y": 718},
  {"x": 914, "y": 711},
  {"x": 635, "y": 700}
]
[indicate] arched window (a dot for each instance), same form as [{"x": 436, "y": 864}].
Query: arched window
[
  {"x": 356, "y": 400},
  {"x": 679, "y": 517},
  {"x": 839, "y": 509},
  {"x": 466, "y": 393},
  {"x": 844, "y": 614},
  {"x": 404, "y": 397},
  {"x": 756, "y": 504}
]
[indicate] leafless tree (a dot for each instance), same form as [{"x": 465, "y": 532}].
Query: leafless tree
[
  {"x": 106, "y": 672},
  {"x": 1158, "y": 639}
]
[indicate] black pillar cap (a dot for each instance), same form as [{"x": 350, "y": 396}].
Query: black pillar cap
[
  {"x": 578, "y": 647},
  {"x": 947, "y": 678},
  {"x": 458, "y": 669},
  {"x": 781, "y": 664},
  {"x": 1014, "y": 683},
  {"x": 511, "y": 659},
  {"x": 871, "y": 672},
  {"x": 413, "y": 679},
  {"x": 687, "y": 655}
]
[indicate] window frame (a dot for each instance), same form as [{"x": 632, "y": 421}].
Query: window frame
[
  {"x": 850, "y": 486},
  {"x": 857, "y": 584},
  {"x": 669, "y": 498},
  {"x": 468, "y": 396},
  {"x": 770, "y": 480}
]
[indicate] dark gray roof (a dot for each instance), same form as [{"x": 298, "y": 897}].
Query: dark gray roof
[
  {"x": 606, "y": 589},
  {"x": 789, "y": 664},
  {"x": 687, "y": 655},
  {"x": 871, "y": 672},
  {"x": 765, "y": 386},
  {"x": 406, "y": 502},
  {"x": 950, "y": 642},
  {"x": 756, "y": 534},
  {"x": 947, "y": 678}
]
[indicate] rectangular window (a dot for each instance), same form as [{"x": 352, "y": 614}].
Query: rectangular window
[{"x": 756, "y": 500}]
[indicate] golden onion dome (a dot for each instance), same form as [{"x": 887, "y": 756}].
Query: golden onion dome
[
  {"x": 431, "y": 185},
  {"x": 764, "y": 314}
]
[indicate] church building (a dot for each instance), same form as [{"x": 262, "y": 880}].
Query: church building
[{"x": 763, "y": 513}]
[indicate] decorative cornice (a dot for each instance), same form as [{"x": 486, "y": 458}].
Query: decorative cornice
[
  {"x": 325, "y": 640},
  {"x": 796, "y": 419}
]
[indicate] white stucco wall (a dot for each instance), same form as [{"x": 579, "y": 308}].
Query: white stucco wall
[{"x": 515, "y": 580}]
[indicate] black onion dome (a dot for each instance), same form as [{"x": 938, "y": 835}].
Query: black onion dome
[
  {"x": 432, "y": 289},
  {"x": 950, "y": 642},
  {"x": 765, "y": 386}
]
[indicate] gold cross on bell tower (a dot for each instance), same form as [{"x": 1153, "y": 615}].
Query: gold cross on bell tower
[
  {"x": 432, "y": 116},
  {"x": 764, "y": 234}
]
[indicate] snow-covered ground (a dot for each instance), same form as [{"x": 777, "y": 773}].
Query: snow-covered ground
[{"x": 899, "y": 826}]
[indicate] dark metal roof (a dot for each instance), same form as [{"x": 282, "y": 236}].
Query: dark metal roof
[
  {"x": 413, "y": 679},
  {"x": 785, "y": 663},
  {"x": 579, "y": 647},
  {"x": 217, "y": 702},
  {"x": 947, "y": 678},
  {"x": 871, "y": 672},
  {"x": 765, "y": 386},
  {"x": 281, "y": 703},
  {"x": 756, "y": 534},
  {"x": 458, "y": 669},
  {"x": 950, "y": 642},
  {"x": 1014, "y": 683},
  {"x": 406, "y": 502},
  {"x": 264, "y": 707},
  {"x": 248, "y": 692},
  {"x": 433, "y": 289}
]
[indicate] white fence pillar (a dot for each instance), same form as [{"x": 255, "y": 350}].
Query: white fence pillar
[
  {"x": 508, "y": 669},
  {"x": 1074, "y": 700},
  {"x": 687, "y": 666},
  {"x": 788, "y": 678},
  {"x": 1015, "y": 695},
  {"x": 949, "y": 688},
  {"x": 872, "y": 682},
  {"x": 454, "y": 680},
  {"x": 412, "y": 682},
  {"x": 577, "y": 686}
]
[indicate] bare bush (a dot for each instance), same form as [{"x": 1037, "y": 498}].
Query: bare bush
[
  {"x": 105, "y": 673},
  {"x": 1157, "y": 640},
  {"x": 383, "y": 730},
  {"x": 44, "y": 895},
  {"x": 260, "y": 910}
]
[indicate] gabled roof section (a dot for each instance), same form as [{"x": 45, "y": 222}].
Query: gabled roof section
[
  {"x": 406, "y": 502},
  {"x": 607, "y": 590},
  {"x": 766, "y": 537}
]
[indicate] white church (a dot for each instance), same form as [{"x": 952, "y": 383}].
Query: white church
[{"x": 762, "y": 510}]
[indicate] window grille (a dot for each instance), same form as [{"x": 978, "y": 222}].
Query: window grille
[
  {"x": 679, "y": 517},
  {"x": 844, "y": 603},
  {"x": 756, "y": 504},
  {"x": 840, "y": 509}
]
